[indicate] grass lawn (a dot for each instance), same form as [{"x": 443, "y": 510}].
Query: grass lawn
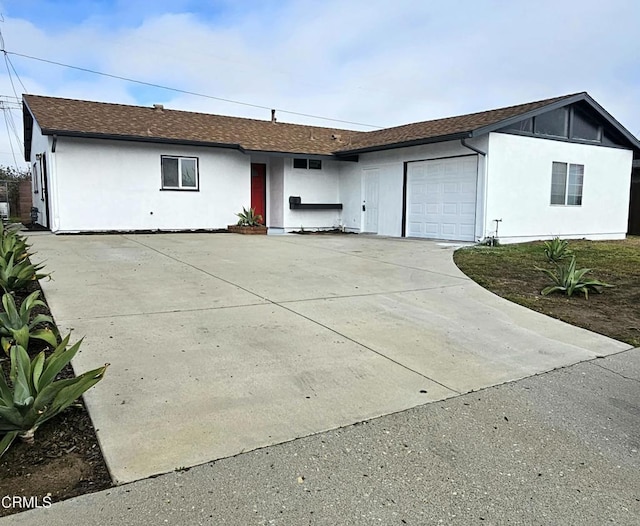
[{"x": 508, "y": 271}]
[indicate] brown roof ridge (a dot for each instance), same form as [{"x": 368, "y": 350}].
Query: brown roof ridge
[
  {"x": 189, "y": 112},
  {"x": 540, "y": 102}
]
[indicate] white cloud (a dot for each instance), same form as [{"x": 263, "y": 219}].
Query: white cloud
[{"x": 377, "y": 62}]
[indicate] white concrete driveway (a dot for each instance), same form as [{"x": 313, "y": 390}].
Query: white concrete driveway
[{"x": 221, "y": 343}]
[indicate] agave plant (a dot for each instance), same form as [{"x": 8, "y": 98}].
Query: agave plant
[
  {"x": 249, "y": 217},
  {"x": 31, "y": 397},
  {"x": 556, "y": 249},
  {"x": 16, "y": 276},
  {"x": 16, "y": 326},
  {"x": 12, "y": 244},
  {"x": 569, "y": 279}
]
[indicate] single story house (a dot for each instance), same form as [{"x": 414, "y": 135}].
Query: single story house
[{"x": 555, "y": 167}]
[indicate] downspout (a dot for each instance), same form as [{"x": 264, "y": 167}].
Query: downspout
[{"x": 463, "y": 142}]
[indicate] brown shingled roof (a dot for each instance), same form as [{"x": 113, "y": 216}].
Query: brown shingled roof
[
  {"x": 99, "y": 119},
  {"x": 449, "y": 126}
]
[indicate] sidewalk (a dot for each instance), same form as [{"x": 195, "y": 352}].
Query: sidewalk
[{"x": 557, "y": 448}]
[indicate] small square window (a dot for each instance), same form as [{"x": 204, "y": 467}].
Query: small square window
[
  {"x": 315, "y": 164},
  {"x": 300, "y": 163},
  {"x": 566, "y": 184},
  {"x": 179, "y": 173}
]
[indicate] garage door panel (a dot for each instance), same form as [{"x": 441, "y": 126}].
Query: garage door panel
[
  {"x": 441, "y": 198},
  {"x": 450, "y": 209},
  {"x": 448, "y": 229},
  {"x": 467, "y": 230},
  {"x": 432, "y": 209},
  {"x": 468, "y": 208},
  {"x": 431, "y": 229}
]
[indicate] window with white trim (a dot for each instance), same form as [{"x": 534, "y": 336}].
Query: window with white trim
[
  {"x": 566, "y": 184},
  {"x": 179, "y": 173}
]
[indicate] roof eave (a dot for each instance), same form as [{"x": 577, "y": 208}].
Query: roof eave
[
  {"x": 278, "y": 153},
  {"x": 139, "y": 138},
  {"x": 405, "y": 144}
]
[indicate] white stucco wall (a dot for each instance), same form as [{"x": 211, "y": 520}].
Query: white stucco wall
[
  {"x": 115, "y": 185},
  {"x": 391, "y": 176},
  {"x": 519, "y": 188},
  {"x": 275, "y": 198},
  {"x": 39, "y": 145},
  {"x": 312, "y": 186}
]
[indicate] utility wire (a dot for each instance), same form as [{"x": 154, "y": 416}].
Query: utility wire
[
  {"x": 177, "y": 90},
  {"x": 13, "y": 153},
  {"x": 24, "y": 89}
]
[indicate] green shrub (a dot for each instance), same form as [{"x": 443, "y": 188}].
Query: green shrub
[
  {"x": 249, "y": 217},
  {"x": 16, "y": 276},
  {"x": 16, "y": 326},
  {"x": 31, "y": 397},
  {"x": 568, "y": 279},
  {"x": 556, "y": 250}
]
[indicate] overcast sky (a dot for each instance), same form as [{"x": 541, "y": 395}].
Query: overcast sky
[{"x": 375, "y": 62}]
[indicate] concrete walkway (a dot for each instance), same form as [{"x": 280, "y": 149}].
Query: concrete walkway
[
  {"x": 559, "y": 448},
  {"x": 221, "y": 344}
]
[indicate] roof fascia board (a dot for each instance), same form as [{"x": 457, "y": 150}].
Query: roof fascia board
[
  {"x": 406, "y": 144},
  {"x": 135, "y": 138},
  {"x": 270, "y": 153},
  {"x": 607, "y": 116}
]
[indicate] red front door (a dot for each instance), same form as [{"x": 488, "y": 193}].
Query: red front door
[{"x": 259, "y": 190}]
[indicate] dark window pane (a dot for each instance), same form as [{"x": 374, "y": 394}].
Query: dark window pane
[
  {"x": 552, "y": 123},
  {"x": 558, "y": 183},
  {"x": 522, "y": 126},
  {"x": 169, "y": 172},
  {"x": 315, "y": 164},
  {"x": 584, "y": 127},
  {"x": 300, "y": 163},
  {"x": 188, "y": 172}
]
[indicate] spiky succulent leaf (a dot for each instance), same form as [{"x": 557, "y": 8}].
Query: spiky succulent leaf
[
  {"x": 57, "y": 360},
  {"x": 21, "y": 384},
  {"x": 6, "y": 441},
  {"x": 45, "y": 335},
  {"x": 568, "y": 279}
]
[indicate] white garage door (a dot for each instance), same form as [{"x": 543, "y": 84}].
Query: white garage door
[{"x": 441, "y": 198}]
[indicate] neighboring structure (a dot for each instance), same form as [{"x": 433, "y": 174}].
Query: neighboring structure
[{"x": 559, "y": 166}]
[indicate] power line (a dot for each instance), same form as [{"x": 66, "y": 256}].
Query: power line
[
  {"x": 177, "y": 90},
  {"x": 13, "y": 153},
  {"x": 17, "y": 76}
]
